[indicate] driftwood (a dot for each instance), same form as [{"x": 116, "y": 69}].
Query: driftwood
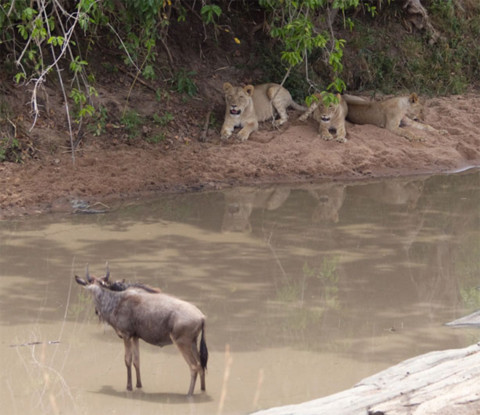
[{"x": 437, "y": 383}]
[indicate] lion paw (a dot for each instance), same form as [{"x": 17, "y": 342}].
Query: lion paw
[
  {"x": 243, "y": 136},
  {"x": 225, "y": 135}
]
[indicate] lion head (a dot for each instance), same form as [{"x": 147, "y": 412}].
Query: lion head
[
  {"x": 416, "y": 109},
  {"x": 237, "y": 98},
  {"x": 329, "y": 115}
]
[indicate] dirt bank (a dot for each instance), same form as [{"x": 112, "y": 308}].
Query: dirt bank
[{"x": 107, "y": 170}]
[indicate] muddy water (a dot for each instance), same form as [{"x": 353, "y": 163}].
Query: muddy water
[{"x": 307, "y": 290}]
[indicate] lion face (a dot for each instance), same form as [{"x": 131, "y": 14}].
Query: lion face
[
  {"x": 415, "y": 109},
  {"x": 237, "y": 98},
  {"x": 331, "y": 118},
  {"x": 326, "y": 116}
]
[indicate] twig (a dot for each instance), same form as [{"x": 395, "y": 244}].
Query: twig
[
  {"x": 14, "y": 127},
  {"x": 256, "y": 398},
  {"x": 275, "y": 256},
  {"x": 226, "y": 376},
  {"x": 36, "y": 343},
  {"x": 169, "y": 55},
  {"x": 123, "y": 45},
  {"x": 137, "y": 79}
]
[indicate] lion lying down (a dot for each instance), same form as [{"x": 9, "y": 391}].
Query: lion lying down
[
  {"x": 247, "y": 106},
  {"x": 391, "y": 114},
  {"x": 330, "y": 118}
]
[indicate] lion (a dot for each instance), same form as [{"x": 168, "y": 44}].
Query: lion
[
  {"x": 391, "y": 114},
  {"x": 247, "y": 106},
  {"x": 240, "y": 202},
  {"x": 331, "y": 118},
  {"x": 329, "y": 198}
]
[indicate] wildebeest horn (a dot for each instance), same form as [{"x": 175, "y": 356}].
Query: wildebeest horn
[
  {"x": 89, "y": 279},
  {"x": 107, "y": 274}
]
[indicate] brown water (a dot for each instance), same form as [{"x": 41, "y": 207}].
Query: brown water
[{"x": 306, "y": 290}]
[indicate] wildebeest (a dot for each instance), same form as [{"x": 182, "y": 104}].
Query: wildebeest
[{"x": 137, "y": 311}]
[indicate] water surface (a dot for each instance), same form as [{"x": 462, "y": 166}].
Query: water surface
[{"x": 307, "y": 290}]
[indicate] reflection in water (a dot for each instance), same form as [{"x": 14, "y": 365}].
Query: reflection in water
[
  {"x": 306, "y": 289},
  {"x": 240, "y": 202}
]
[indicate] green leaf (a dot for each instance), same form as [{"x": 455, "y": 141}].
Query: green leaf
[{"x": 20, "y": 76}]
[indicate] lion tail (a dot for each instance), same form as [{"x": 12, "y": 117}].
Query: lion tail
[{"x": 298, "y": 107}]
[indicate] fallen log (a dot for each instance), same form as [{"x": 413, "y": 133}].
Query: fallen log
[{"x": 437, "y": 383}]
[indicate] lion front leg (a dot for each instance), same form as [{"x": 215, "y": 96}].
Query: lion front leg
[
  {"x": 324, "y": 133},
  {"x": 245, "y": 132},
  {"x": 341, "y": 134},
  {"x": 326, "y": 136},
  {"x": 226, "y": 132},
  {"x": 422, "y": 126},
  {"x": 407, "y": 134}
]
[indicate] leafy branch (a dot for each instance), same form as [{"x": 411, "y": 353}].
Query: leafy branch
[
  {"x": 47, "y": 32},
  {"x": 302, "y": 28}
]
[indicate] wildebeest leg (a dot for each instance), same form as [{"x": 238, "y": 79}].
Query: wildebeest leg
[
  {"x": 136, "y": 360},
  {"x": 185, "y": 347},
  {"x": 128, "y": 361},
  {"x": 199, "y": 366}
]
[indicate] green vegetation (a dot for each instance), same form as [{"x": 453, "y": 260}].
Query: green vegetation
[
  {"x": 468, "y": 266},
  {"x": 183, "y": 82},
  {"x": 164, "y": 119},
  {"x": 132, "y": 121},
  {"x": 395, "y": 59},
  {"x": 10, "y": 148},
  {"x": 303, "y": 312},
  {"x": 99, "y": 122},
  {"x": 293, "y": 290}
]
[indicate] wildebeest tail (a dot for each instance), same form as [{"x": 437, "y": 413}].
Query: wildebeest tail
[{"x": 203, "y": 349}]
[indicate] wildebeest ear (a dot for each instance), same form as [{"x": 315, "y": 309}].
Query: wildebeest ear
[{"x": 80, "y": 281}]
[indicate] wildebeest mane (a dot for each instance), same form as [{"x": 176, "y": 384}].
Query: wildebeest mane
[{"x": 122, "y": 286}]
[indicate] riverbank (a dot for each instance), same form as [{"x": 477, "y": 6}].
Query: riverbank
[{"x": 108, "y": 170}]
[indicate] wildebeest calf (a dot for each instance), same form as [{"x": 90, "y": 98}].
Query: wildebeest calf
[{"x": 159, "y": 319}]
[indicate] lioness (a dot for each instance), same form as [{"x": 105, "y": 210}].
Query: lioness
[
  {"x": 331, "y": 118},
  {"x": 390, "y": 114},
  {"x": 247, "y": 106}
]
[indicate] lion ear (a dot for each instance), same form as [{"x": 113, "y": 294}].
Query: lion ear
[
  {"x": 249, "y": 90},
  {"x": 413, "y": 98},
  {"x": 227, "y": 86}
]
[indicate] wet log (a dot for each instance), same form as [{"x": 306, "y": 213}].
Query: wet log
[{"x": 441, "y": 383}]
